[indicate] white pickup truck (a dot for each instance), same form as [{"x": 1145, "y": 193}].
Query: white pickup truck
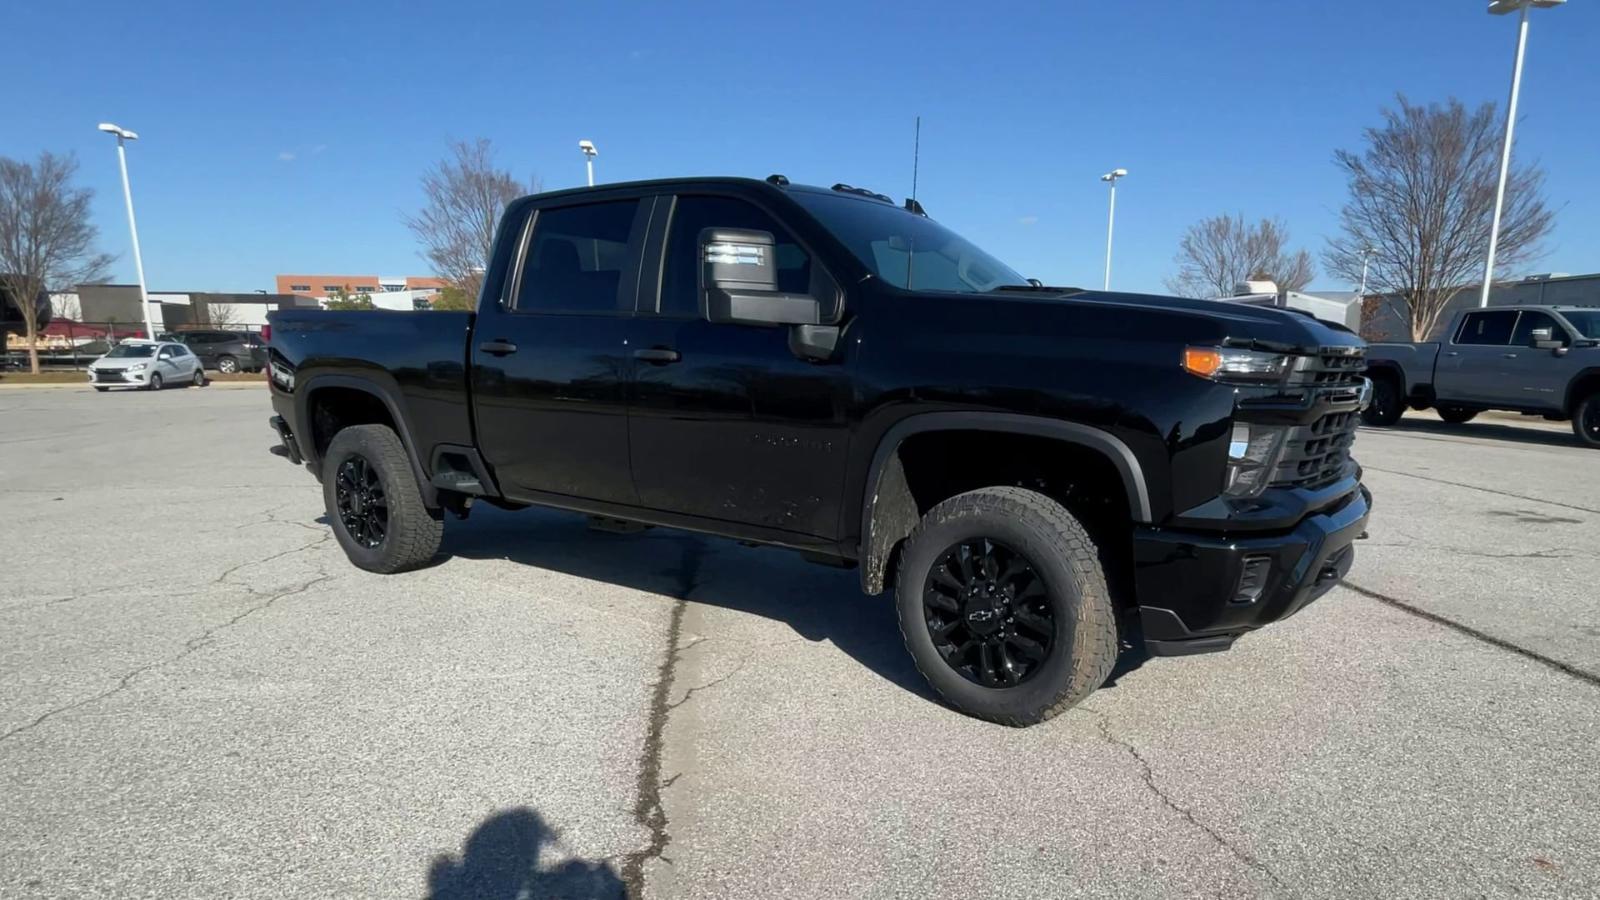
[{"x": 1541, "y": 360}]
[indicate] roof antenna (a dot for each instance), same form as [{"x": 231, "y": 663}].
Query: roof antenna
[{"x": 916, "y": 153}]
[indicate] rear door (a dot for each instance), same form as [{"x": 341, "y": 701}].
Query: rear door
[
  {"x": 726, "y": 422},
  {"x": 201, "y": 345},
  {"x": 549, "y": 359},
  {"x": 1539, "y": 378},
  {"x": 1472, "y": 365}
]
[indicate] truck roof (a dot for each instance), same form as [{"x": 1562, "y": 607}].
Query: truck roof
[{"x": 770, "y": 183}]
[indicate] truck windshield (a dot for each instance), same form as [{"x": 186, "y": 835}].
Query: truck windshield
[
  {"x": 1586, "y": 321},
  {"x": 907, "y": 250}
]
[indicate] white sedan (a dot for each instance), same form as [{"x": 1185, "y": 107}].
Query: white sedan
[{"x": 147, "y": 364}]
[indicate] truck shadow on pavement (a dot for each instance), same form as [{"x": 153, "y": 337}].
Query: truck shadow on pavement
[
  {"x": 818, "y": 602},
  {"x": 1423, "y": 424},
  {"x": 501, "y": 861}
]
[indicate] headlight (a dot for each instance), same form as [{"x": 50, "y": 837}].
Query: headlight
[
  {"x": 137, "y": 367},
  {"x": 1231, "y": 364},
  {"x": 1252, "y": 455}
]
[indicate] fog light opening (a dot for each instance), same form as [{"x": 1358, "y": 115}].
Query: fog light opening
[{"x": 1253, "y": 573}]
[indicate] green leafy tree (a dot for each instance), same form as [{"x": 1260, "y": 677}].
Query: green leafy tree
[
  {"x": 343, "y": 299},
  {"x": 454, "y": 298}
]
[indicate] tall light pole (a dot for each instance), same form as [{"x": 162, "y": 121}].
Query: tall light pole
[
  {"x": 1366, "y": 256},
  {"x": 124, "y": 135},
  {"x": 589, "y": 153},
  {"x": 1111, "y": 218},
  {"x": 1500, "y": 8}
]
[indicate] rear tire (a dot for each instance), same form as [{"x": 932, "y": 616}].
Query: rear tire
[
  {"x": 378, "y": 476},
  {"x": 199, "y": 377},
  {"x": 227, "y": 365},
  {"x": 1050, "y": 632},
  {"x": 1387, "y": 405},
  {"x": 1456, "y": 415},
  {"x": 1586, "y": 421}
]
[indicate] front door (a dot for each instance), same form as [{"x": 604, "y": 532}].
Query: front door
[
  {"x": 1539, "y": 378},
  {"x": 1472, "y": 364},
  {"x": 726, "y": 422},
  {"x": 550, "y": 362}
]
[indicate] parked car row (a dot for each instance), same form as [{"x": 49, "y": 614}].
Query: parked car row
[{"x": 224, "y": 351}]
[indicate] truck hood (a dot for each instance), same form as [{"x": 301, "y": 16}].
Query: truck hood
[{"x": 1269, "y": 328}]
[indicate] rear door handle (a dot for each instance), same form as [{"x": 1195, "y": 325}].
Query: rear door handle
[
  {"x": 1452, "y": 353},
  {"x": 658, "y": 355},
  {"x": 1509, "y": 355},
  {"x": 498, "y": 348}
]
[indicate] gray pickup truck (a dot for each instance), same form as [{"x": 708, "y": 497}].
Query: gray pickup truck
[{"x": 1539, "y": 360}]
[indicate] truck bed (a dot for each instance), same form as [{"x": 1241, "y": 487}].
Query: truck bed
[
  {"x": 1414, "y": 360},
  {"x": 418, "y": 360}
]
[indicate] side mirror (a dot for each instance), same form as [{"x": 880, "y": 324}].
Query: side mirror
[
  {"x": 1545, "y": 339},
  {"x": 739, "y": 274}
]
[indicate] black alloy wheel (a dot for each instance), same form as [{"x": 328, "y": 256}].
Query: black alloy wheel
[
  {"x": 989, "y": 614},
  {"x": 363, "y": 506},
  {"x": 1587, "y": 421}
]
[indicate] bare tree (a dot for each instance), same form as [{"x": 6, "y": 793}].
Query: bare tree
[
  {"x": 465, "y": 196},
  {"x": 1218, "y": 253},
  {"x": 46, "y": 238},
  {"x": 221, "y": 315},
  {"x": 1421, "y": 200}
]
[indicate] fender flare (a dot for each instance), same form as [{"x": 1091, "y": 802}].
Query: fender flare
[
  {"x": 886, "y": 478},
  {"x": 388, "y": 395},
  {"x": 1573, "y": 397}
]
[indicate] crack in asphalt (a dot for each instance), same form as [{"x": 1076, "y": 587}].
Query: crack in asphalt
[
  {"x": 1583, "y": 675},
  {"x": 1148, "y": 775},
  {"x": 1474, "y": 487},
  {"x": 1552, "y": 553},
  {"x": 223, "y": 578},
  {"x": 190, "y": 646},
  {"x": 648, "y": 810},
  {"x": 710, "y": 684}
]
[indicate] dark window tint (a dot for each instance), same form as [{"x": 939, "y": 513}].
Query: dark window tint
[
  {"x": 680, "y": 283},
  {"x": 1488, "y": 328},
  {"x": 1529, "y": 321},
  {"x": 575, "y": 259},
  {"x": 1587, "y": 321},
  {"x": 299, "y": 287}
]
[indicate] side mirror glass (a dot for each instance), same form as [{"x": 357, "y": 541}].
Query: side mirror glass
[
  {"x": 739, "y": 275},
  {"x": 1544, "y": 339}
]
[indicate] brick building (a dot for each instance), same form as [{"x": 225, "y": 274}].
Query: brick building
[{"x": 323, "y": 286}]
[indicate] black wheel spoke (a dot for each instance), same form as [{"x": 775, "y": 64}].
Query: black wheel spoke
[
  {"x": 362, "y": 504},
  {"x": 989, "y": 613}
]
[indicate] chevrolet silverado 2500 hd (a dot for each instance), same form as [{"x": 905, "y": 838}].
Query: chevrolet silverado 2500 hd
[{"x": 1037, "y": 473}]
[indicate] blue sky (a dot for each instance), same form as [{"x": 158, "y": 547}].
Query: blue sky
[{"x": 289, "y": 137}]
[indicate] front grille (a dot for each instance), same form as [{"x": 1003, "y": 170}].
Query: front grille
[
  {"x": 108, "y": 375},
  {"x": 1334, "y": 366},
  {"x": 1317, "y": 454}
]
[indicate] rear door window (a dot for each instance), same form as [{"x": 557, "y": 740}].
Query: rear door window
[
  {"x": 1491, "y": 328},
  {"x": 575, "y": 260}
]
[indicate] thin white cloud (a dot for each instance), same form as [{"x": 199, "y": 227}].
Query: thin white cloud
[
  {"x": 1028, "y": 220},
  {"x": 285, "y": 156}
]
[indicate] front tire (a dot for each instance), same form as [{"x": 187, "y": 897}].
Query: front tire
[
  {"x": 155, "y": 381},
  {"x": 374, "y": 503},
  {"x": 1456, "y": 415},
  {"x": 1003, "y": 605},
  {"x": 102, "y": 390},
  {"x": 1586, "y": 421},
  {"x": 1387, "y": 405}
]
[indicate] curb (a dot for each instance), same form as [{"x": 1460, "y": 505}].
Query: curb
[{"x": 84, "y": 386}]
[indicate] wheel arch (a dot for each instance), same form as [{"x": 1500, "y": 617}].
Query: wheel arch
[
  {"x": 1583, "y": 384},
  {"x": 306, "y": 398},
  {"x": 889, "y": 512}
]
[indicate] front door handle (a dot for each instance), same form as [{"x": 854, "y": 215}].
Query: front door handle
[
  {"x": 1509, "y": 355},
  {"x": 1452, "y": 353},
  {"x": 658, "y": 355},
  {"x": 498, "y": 348}
]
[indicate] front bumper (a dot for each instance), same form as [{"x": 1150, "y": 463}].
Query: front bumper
[
  {"x": 115, "y": 377},
  {"x": 1189, "y": 583}
]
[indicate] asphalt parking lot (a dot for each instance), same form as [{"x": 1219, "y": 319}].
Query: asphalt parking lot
[{"x": 201, "y": 698}]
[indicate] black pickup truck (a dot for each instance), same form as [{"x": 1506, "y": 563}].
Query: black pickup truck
[{"x": 1039, "y": 474}]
